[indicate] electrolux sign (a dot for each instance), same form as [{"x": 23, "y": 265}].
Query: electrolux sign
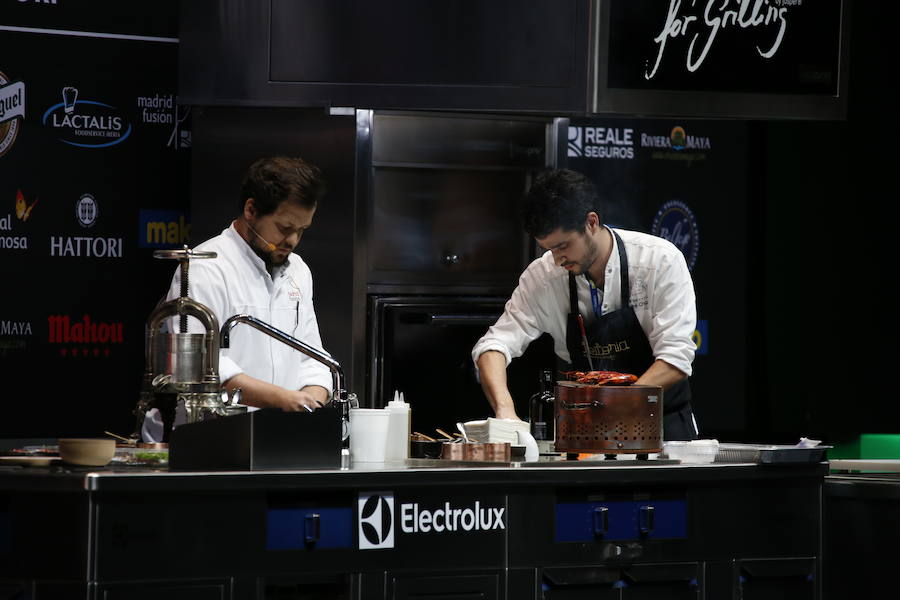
[{"x": 381, "y": 521}]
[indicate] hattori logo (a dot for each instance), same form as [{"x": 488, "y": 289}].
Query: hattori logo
[
  {"x": 600, "y": 142},
  {"x": 86, "y": 211},
  {"x": 376, "y": 520},
  {"x": 675, "y": 222},
  {"x": 86, "y": 123},
  {"x": 12, "y": 111}
]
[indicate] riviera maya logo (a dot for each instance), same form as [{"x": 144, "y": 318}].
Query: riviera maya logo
[
  {"x": 675, "y": 222},
  {"x": 12, "y": 111},
  {"x": 86, "y": 123}
]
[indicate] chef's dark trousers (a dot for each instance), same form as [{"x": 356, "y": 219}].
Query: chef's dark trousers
[{"x": 679, "y": 424}]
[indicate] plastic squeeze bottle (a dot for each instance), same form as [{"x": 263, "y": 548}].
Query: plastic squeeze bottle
[{"x": 398, "y": 429}]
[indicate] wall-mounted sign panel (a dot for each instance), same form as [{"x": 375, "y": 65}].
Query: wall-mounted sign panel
[{"x": 731, "y": 58}]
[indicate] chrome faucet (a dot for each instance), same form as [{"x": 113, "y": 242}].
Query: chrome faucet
[{"x": 339, "y": 393}]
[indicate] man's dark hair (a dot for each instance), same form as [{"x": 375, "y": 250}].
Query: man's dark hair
[
  {"x": 270, "y": 181},
  {"x": 558, "y": 199}
]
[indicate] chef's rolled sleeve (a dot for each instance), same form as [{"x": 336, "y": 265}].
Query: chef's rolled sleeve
[{"x": 673, "y": 318}]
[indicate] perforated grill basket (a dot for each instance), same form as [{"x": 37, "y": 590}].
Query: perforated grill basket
[{"x": 608, "y": 419}]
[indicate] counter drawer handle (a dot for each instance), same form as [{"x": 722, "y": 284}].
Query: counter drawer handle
[
  {"x": 645, "y": 519},
  {"x": 601, "y": 521},
  {"x": 311, "y": 528}
]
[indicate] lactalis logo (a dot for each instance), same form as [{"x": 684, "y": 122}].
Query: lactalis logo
[
  {"x": 376, "y": 520},
  {"x": 12, "y": 111},
  {"x": 86, "y": 123}
]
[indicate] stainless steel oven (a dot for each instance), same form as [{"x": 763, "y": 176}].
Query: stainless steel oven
[{"x": 421, "y": 345}]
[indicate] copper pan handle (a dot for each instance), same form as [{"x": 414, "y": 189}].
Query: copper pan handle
[{"x": 583, "y": 405}]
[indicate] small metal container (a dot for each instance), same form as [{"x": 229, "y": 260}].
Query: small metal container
[
  {"x": 453, "y": 451},
  {"x": 608, "y": 419}
]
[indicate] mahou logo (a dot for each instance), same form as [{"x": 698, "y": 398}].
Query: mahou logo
[{"x": 84, "y": 337}]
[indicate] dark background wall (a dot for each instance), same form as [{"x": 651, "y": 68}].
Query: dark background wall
[
  {"x": 123, "y": 154},
  {"x": 819, "y": 220},
  {"x": 823, "y": 239}
]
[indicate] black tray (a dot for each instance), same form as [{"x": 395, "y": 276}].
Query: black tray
[{"x": 770, "y": 454}]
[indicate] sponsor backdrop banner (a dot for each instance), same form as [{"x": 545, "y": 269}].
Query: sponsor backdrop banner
[
  {"x": 685, "y": 181},
  {"x": 94, "y": 157}
]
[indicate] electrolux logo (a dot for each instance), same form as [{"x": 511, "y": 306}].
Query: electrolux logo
[
  {"x": 86, "y": 123},
  {"x": 675, "y": 222},
  {"x": 600, "y": 142},
  {"x": 376, "y": 520},
  {"x": 12, "y": 111}
]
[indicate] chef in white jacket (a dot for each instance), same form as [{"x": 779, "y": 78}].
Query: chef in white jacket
[{"x": 255, "y": 272}]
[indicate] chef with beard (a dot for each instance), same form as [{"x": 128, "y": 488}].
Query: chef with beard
[
  {"x": 612, "y": 299},
  {"x": 256, "y": 272}
]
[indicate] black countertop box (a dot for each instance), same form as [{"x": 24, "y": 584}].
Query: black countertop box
[{"x": 268, "y": 439}]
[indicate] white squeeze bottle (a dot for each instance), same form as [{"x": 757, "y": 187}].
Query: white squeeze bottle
[{"x": 398, "y": 429}]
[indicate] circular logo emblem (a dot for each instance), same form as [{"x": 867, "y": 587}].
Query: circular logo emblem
[
  {"x": 12, "y": 96},
  {"x": 376, "y": 520},
  {"x": 86, "y": 210},
  {"x": 678, "y": 138},
  {"x": 675, "y": 222}
]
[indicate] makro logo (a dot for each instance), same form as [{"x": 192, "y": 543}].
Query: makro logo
[
  {"x": 12, "y": 111},
  {"x": 86, "y": 123},
  {"x": 600, "y": 142},
  {"x": 163, "y": 229},
  {"x": 675, "y": 222},
  {"x": 84, "y": 337},
  {"x": 376, "y": 520},
  {"x": 87, "y": 212},
  {"x": 8, "y": 239}
]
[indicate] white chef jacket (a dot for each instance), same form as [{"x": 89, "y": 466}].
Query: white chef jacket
[
  {"x": 662, "y": 295},
  {"x": 237, "y": 282}
]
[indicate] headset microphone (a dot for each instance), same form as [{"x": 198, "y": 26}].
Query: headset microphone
[{"x": 269, "y": 244}]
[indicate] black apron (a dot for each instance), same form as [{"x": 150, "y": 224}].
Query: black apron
[{"x": 617, "y": 342}]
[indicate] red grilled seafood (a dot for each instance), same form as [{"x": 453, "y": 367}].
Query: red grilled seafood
[{"x": 600, "y": 377}]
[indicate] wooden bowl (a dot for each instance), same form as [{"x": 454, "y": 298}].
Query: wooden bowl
[{"x": 89, "y": 452}]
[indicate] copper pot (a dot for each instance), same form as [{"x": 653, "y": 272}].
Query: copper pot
[
  {"x": 608, "y": 419},
  {"x": 477, "y": 451}
]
